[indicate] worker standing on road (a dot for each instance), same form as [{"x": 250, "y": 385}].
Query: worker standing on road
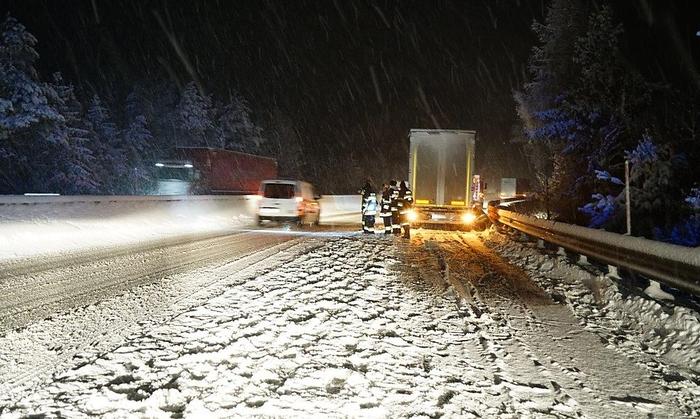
[
  {"x": 369, "y": 207},
  {"x": 364, "y": 192},
  {"x": 386, "y": 208},
  {"x": 405, "y": 204},
  {"x": 394, "y": 205}
]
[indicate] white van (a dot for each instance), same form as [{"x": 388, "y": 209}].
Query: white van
[{"x": 288, "y": 200}]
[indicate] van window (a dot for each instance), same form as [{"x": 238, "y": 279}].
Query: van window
[{"x": 279, "y": 190}]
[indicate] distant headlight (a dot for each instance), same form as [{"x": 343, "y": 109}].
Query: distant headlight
[
  {"x": 468, "y": 218},
  {"x": 411, "y": 215}
]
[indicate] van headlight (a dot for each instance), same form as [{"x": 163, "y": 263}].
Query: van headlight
[
  {"x": 468, "y": 218},
  {"x": 412, "y": 215}
]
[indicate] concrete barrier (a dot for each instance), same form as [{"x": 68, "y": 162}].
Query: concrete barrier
[
  {"x": 341, "y": 203},
  {"x": 341, "y": 209}
]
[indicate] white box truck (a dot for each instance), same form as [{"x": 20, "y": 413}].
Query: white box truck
[
  {"x": 513, "y": 187},
  {"x": 440, "y": 170}
]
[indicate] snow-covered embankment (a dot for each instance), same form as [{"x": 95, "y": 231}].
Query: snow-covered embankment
[{"x": 662, "y": 336}]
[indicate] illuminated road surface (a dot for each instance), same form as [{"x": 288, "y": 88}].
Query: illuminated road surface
[{"x": 328, "y": 323}]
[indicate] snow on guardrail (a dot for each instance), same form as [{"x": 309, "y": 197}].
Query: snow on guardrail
[{"x": 674, "y": 265}]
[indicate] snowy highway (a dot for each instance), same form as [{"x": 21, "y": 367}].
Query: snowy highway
[{"x": 333, "y": 323}]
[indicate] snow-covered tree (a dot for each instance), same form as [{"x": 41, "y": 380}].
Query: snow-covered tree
[
  {"x": 29, "y": 121},
  {"x": 235, "y": 128},
  {"x": 74, "y": 157},
  {"x": 195, "y": 117},
  {"x": 137, "y": 142},
  {"x": 137, "y": 137},
  {"x": 110, "y": 159},
  {"x": 582, "y": 108},
  {"x": 539, "y": 105}
]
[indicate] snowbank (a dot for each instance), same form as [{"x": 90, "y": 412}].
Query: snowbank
[
  {"x": 675, "y": 265},
  {"x": 663, "y": 337}
]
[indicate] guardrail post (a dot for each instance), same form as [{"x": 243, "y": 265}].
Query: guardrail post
[
  {"x": 561, "y": 251},
  {"x": 540, "y": 244},
  {"x": 583, "y": 260}
]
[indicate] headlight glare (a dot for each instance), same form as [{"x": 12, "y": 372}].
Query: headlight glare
[{"x": 468, "y": 218}]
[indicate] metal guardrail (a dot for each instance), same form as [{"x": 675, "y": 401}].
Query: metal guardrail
[{"x": 676, "y": 266}]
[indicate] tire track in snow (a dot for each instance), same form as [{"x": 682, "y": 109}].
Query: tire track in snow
[
  {"x": 27, "y": 298},
  {"x": 73, "y": 338},
  {"x": 336, "y": 332},
  {"x": 513, "y": 367},
  {"x": 660, "y": 338},
  {"x": 598, "y": 380}
]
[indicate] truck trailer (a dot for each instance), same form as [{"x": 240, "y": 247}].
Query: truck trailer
[
  {"x": 205, "y": 171},
  {"x": 441, "y": 172},
  {"x": 513, "y": 187}
]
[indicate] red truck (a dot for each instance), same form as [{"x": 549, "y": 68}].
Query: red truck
[{"x": 205, "y": 170}]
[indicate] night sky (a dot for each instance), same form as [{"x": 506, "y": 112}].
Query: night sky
[{"x": 358, "y": 73}]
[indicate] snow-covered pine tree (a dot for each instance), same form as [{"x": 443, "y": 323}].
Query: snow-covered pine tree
[
  {"x": 539, "y": 104},
  {"x": 74, "y": 158},
  {"x": 110, "y": 158},
  {"x": 195, "y": 117},
  {"x": 235, "y": 127},
  {"x": 158, "y": 102},
  {"x": 29, "y": 123},
  {"x": 137, "y": 142}
]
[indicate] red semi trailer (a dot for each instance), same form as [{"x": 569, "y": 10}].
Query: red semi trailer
[{"x": 205, "y": 170}]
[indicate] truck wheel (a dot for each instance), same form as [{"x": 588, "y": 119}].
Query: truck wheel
[{"x": 318, "y": 219}]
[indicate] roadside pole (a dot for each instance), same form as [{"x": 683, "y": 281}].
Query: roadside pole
[{"x": 627, "y": 198}]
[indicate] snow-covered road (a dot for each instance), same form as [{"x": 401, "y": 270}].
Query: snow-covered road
[{"x": 337, "y": 324}]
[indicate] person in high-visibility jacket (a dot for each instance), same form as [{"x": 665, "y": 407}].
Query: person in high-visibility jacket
[
  {"x": 365, "y": 191},
  {"x": 394, "y": 206},
  {"x": 405, "y": 204},
  {"x": 369, "y": 208},
  {"x": 385, "y": 212}
]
